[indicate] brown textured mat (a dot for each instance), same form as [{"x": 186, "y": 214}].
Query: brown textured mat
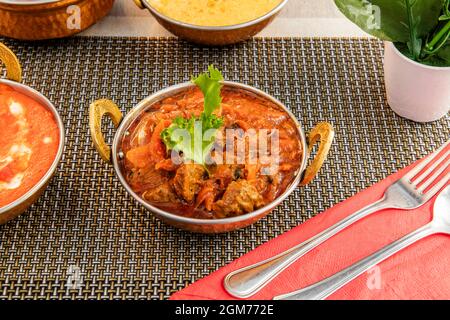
[{"x": 87, "y": 239}]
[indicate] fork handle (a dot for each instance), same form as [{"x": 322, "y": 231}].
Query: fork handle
[
  {"x": 325, "y": 288},
  {"x": 247, "y": 281}
]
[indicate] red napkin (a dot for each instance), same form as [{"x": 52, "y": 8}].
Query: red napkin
[{"x": 421, "y": 271}]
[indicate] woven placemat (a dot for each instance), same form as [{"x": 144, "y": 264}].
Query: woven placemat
[{"x": 87, "y": 239}]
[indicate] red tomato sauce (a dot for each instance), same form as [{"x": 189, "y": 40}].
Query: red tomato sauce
[{"x": 29, "y": 142}]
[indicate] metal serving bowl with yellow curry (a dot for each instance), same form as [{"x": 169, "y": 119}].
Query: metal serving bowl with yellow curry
[{"x": 214, "y": 22}]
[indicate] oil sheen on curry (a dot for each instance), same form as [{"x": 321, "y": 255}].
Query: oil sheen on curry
[
  {"x": 29, "y": 143},
  {"x": 209, "y": 191}
]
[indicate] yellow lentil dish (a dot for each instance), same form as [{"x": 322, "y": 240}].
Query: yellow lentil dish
[{"x": 214, "y": 12}]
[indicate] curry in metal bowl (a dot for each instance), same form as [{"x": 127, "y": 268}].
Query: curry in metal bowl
[
  {"x": 214, "y": 12},
  {"x": 209, "y": 156},
  {"x": 231, "y": 187},
  {"x": 28, "y": 143},
  {"x": 31, "y": 141},
  {"x": 213, "y": 22}
]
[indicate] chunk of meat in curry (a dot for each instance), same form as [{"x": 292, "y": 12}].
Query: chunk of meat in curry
[
  {"x": 211, "y": 191},
  {"x": 188, "y": 181},
  {"x": 239, "y": 198}
]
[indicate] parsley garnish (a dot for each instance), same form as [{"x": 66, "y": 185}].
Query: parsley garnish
[{"x": 195, "y": 137}]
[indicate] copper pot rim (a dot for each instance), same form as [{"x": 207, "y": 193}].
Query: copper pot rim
[
  {"x": 170, "y": 91},
  {"x": 32, "y": 2},
  {"x": 243, "y": 25},
  {"x": 32, "y": 7},
  {"x": 32, "y": 93},
  {"x": 28, "y": 2}
]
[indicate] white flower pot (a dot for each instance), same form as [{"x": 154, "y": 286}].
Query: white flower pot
[{"x": 415, "y": 91}]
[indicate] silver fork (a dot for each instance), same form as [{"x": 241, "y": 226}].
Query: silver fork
[
  {"x": 409, "y": 192},
  {"x": 323, "y": 289}
]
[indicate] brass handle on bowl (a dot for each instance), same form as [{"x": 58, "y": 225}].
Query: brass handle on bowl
[
  {"x": 139, "y": 4},
  {"x": 97, "y": 110},
  {"x": 12, "y": 64},
  {"x": 323, "y": 133}
]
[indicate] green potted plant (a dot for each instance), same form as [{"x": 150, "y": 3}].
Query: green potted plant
[{"x": 417, "y": 51}]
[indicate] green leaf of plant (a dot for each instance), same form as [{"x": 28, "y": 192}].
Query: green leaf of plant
[
  {"x": 390, "y": 20},
  {"x": 444, "y": 54},
  {"x": 403, "y": 48},
  {"x": 435, "y": 61},
  {"x": 446, "y": 14}
]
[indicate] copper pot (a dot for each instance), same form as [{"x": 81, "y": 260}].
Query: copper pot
[
  {"x": 323, "y": 133},
  {"x": 14, "y": 76},
  {"x": 213, "y": 35},
  {"x": 48, "y": 19}
]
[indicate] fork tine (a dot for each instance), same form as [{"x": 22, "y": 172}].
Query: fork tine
[
  {"x": 443, "y": 182},
  {"x": 436, "y": 164},
  {"x": 432, "y": 179},
  {"x": 425, "y": 162}
]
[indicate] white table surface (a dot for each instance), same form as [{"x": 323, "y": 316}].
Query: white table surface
[{"x": 301, "y": 18}]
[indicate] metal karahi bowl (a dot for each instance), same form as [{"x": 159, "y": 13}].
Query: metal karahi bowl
[
  {"x": 20, "y": 205},
  {"x": 213, "y": 36},
  {"x": 49, "y": 19},
  {"x": 323, "y": 133}
]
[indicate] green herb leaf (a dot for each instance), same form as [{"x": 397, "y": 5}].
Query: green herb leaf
[
  {"x": 210, "y": 84},
  {"x": 405, "y": 21},
  {"x": 195, "y": 137}
]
